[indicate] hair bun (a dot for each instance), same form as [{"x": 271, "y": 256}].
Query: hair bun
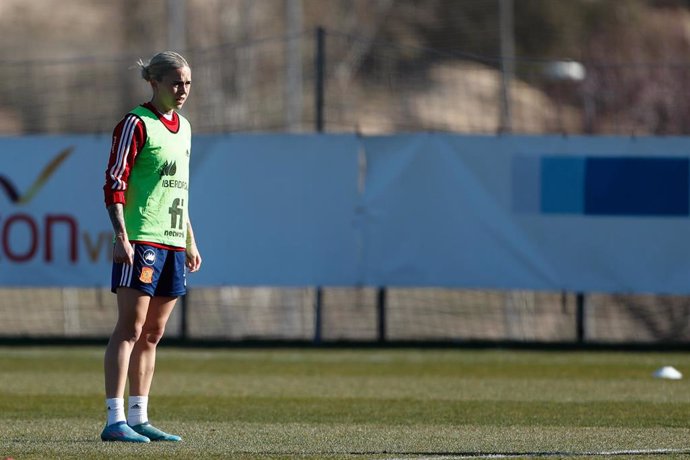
[{"x": 145, "y": 73}]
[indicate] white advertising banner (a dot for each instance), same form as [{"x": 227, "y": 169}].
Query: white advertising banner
[
  {"x": 54, "y": 228},
  {"x": 266, "y": 210},
  {"x": 505, "y": 212},
  {"x": 543, "y": 213}
]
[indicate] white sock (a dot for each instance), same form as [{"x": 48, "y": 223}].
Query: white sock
[
  {"x": 138, "y": 410},
  {"x": 116, "y": 410}
]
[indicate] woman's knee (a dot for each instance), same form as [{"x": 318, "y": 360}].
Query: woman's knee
[
  {"x": 128, "y": 333},
  {"x": 153, "y": 335}
]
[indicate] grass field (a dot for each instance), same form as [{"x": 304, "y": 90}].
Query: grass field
[{"x": 355, "y": 404}]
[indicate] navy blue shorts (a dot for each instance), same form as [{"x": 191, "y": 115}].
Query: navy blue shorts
[{"x": 156, "y": 272}]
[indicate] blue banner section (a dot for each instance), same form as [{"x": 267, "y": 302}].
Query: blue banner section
[
  {"x": 276, "y": 210},
  {"x": 637, "y": 186},
  {"x": 562, "y": 183},
  {"x": 613, "y": 186}
]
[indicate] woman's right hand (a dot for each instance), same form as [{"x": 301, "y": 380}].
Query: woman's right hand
[{"x": 123, "y": 251}]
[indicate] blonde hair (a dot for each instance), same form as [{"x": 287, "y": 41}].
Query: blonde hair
[{"x": 160, "y": 64}]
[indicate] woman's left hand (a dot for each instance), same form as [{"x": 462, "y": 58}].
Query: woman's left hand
[{"x": 193, "y": 258}]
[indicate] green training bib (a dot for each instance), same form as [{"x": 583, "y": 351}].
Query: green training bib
[{"x": 157, "y": 192}]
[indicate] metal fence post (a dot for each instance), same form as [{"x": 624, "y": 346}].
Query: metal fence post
[
  {"x": 318, "y": 315},
  {"x": 320, "y": 64},
  {"x": 381, "y": 296},
  {"x": 507, "y": 39},
  {"x": 581, "y": 330}
]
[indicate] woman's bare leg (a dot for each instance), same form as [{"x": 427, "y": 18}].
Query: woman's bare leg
[
  {"x": 142, "y": 362},
  {"x": 132, "y": 307}
]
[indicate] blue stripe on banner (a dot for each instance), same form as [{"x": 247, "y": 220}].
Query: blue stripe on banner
[
  {"x": 562, "y": 180},
  {"x": 636, "y": 186},
  {"x": 602, "y": 186}
]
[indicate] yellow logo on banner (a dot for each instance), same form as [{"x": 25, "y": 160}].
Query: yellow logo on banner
[{"x": 40, "y": 181}]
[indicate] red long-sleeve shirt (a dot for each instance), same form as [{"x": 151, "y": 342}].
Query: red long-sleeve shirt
[{"x": 129, "y": 137}]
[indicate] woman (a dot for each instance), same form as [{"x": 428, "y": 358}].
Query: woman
[{"x": 146, "y": 196}]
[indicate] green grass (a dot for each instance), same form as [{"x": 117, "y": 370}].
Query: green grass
[{"x": 354, "y": 404}]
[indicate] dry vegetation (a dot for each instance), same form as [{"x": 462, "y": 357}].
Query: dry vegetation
[{"x": 394, "y": 65}]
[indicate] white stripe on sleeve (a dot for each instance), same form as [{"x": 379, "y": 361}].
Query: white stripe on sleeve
[{"x": 120, "y": 164}]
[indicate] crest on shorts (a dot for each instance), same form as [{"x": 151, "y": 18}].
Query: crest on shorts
[
  {"x": 149, "y": 257},
  {"x": 146, "y": 275}
]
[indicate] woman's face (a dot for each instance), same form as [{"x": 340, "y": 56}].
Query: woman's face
[{"x": 171, "y": 92}]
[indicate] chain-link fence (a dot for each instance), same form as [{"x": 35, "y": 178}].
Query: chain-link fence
[
  {"x": 344, "y": 83},
  {"x": 356, "y": 85}
]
